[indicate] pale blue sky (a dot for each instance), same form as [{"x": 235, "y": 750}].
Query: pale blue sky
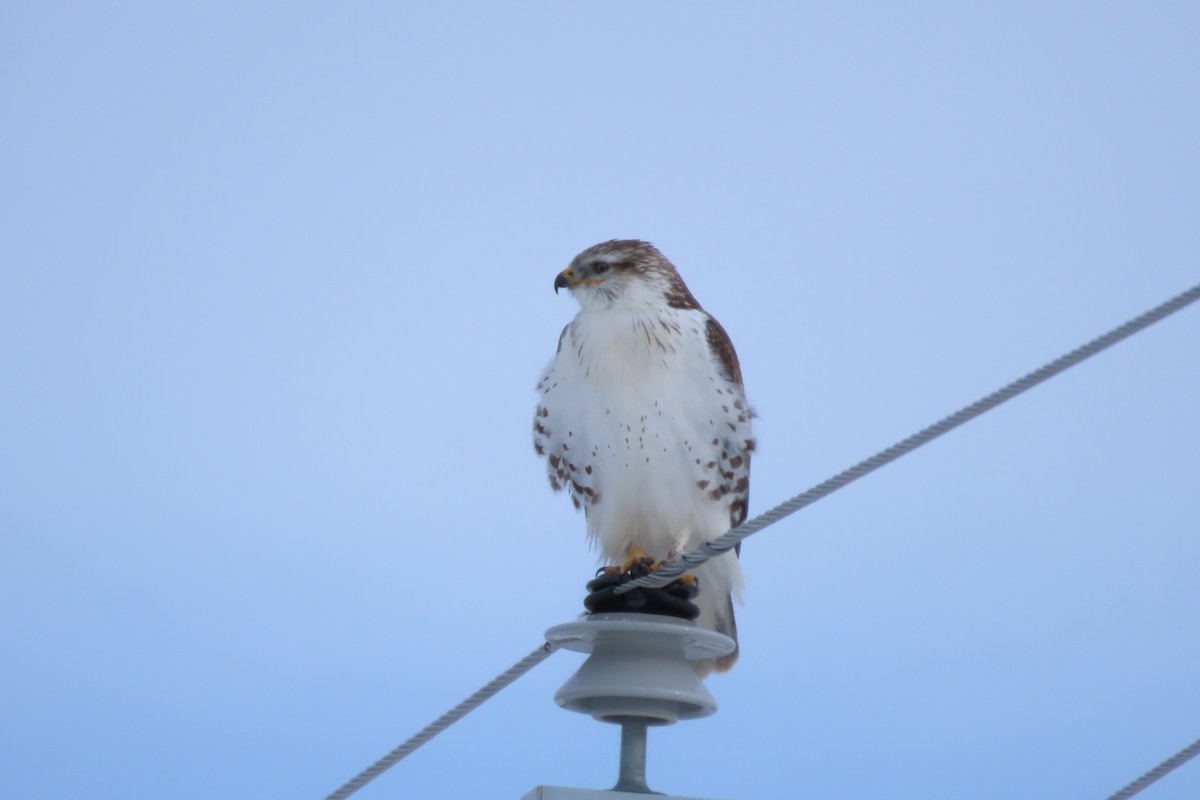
[{"x": 275, "y": 288}]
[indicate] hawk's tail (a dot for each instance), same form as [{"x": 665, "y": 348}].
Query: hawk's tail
[{"x": 720, "y": 581}]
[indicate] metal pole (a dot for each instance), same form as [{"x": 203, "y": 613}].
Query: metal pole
[{"x": 632, "y": 777}]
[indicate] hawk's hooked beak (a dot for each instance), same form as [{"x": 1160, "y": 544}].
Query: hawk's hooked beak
[
  {"x": 568, "y": 279},
  {"x": 565, "y": 280}
]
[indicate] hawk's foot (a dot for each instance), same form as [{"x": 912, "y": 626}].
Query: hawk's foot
[{"x": 637, "y": 563}]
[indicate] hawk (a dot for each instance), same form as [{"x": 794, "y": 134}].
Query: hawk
[{"x": 643, "y": 421}]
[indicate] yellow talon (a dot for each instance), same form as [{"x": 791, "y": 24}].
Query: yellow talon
[{"x": 636, "y": 560}]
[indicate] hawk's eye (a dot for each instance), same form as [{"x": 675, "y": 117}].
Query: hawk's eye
[{"x": 599, "y": 267}]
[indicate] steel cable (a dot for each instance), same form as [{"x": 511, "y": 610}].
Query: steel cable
[
  {"x": 1175, "y": 761},
  {"x": 668, "y": 572},
  {"x": 487, "y": 691}
]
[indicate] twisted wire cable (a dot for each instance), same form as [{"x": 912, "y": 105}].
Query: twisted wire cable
[
  {"x": 1178, "y": 760},
  {"x": 668, "y": 572},
  {"x": 487, "y": 691},
  {"x": 721, "y": 544}
]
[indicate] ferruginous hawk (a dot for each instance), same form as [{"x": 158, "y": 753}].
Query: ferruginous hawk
[{"x": 643, "y": 420}]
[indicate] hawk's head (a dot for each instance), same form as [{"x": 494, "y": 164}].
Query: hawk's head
[{"x": 627, "y": 269}]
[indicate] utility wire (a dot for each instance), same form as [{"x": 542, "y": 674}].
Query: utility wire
[
  {"x": 1178, "y": 760},
  {"x": 440, "y": 724},
  {"x": 726, "y": 542},
  {"x": 714, "y": 547}
]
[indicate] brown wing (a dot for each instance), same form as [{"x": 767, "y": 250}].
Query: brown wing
[{"x": 722, "y": 349}]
